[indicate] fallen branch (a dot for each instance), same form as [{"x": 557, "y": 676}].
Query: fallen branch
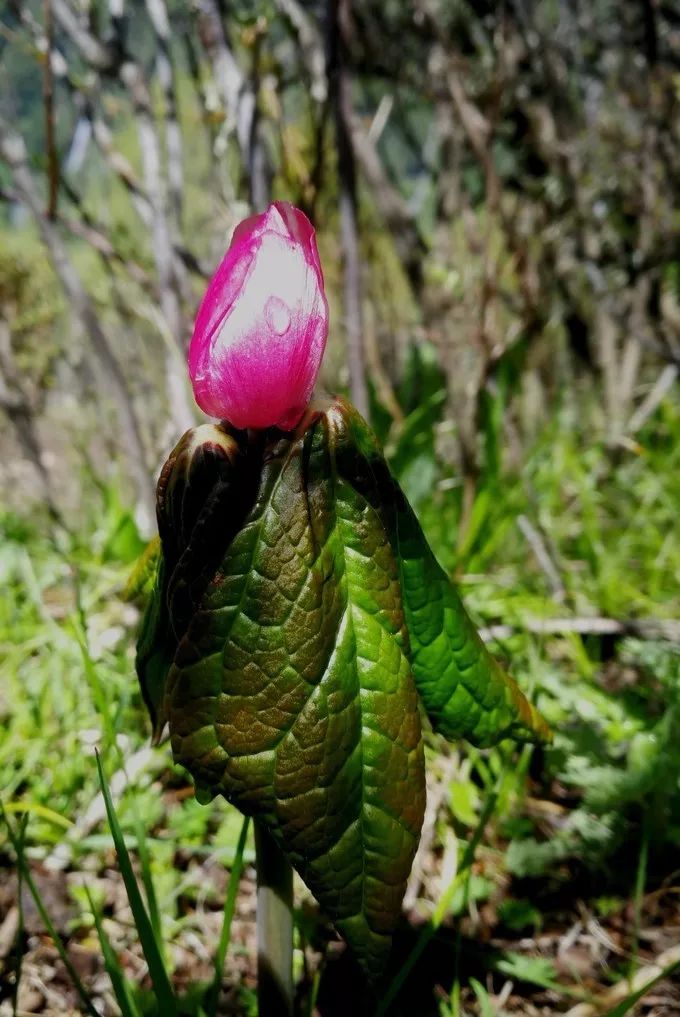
[
  {"x": 642, "y": 981},
  {"x": 662, "y": 386},
  {"x": 537, "y": 544},
  {"x": 643, "y": 628},
  {"x": 339, "y": 90}
]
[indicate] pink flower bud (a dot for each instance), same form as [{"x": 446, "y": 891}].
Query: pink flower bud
[{"x": 261, "y": 328}]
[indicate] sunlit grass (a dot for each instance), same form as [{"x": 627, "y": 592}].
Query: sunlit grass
[{"x": 68, "y": 688}]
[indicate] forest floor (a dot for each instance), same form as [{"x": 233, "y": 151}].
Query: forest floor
[
  {"x": 572, "y": 903},
  {"x": 580, "y": 962}
]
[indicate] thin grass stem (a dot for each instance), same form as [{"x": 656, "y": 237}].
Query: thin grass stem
[{"x": 225, "y": 934}]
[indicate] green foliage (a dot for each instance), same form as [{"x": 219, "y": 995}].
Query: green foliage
[
  {"x": 201, "y": 1000},
  {"x": 631, "y": 777},
  {"x": 460, "y": 881},
  {"x": 519, "y": 914},
  {"x": 463, "y": 689},
  {"x": 47, "y": 594},
  {"x": 66, "y": 662},
  {"x": 537, "y": 970},
  {"x": 31, "y": 304},
  {"x": 615, "y": 722},
  {"x": 610, "y": 777},
  {"x": 485, "y": 1007},
  {"x": 212, "y": 1001},
  {"x": 412, "y": 449},
  {"x": 277, "y": 644},
  {"x": 121, "y": 989},
  {"x": 307, "y": 708},
  {"x": 165, "y": 996},
  {"x": 17, "y": 840}
]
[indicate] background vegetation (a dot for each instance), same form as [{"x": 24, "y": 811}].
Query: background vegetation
[{"x": 495, "y": 190}]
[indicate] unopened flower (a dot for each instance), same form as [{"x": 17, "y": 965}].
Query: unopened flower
[{"x": 261, "y": 329}]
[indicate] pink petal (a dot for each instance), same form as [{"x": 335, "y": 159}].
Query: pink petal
[{"x": 262, "y": 326}]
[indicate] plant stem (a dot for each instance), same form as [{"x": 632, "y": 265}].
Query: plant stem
[{"x": 274, "y": 928}]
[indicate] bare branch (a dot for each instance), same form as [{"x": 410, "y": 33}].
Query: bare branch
[
  {"x": 94, "y": 52},
  {"x": 85, "y": 227},
  {"x": 311, "y": 46},
  {"x": 535, "y": 541},
  {"x": 232, "y": 84},
  {"x": 13, "y": 150},
  {"x": 132, "y": 77},
  {"x": 48, "y": 100},
  {"x": 642, "y": 628},
  {"x": 658, "y": 392},
  {"x": 259, "y": 174},
  {"x": 341, "y": 102},
  {"x": 139, "y": 197},
  {"x": 391, "y": 205},
  {"x": 165, "y": 71}
]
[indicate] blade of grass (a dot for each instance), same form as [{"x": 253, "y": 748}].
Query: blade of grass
[
  {"x": 629, "y": 1002},
  {"x": 99, "y": 697},
  {"x": 39, "y": 810},
  {"x": 536, "y": 971},
  {"x": 20, "y": 924},
  {"x": 486, "y": 1008},
  {"x": 495, "y": 789},
  {"x": 109, "y": 726},
  {"x": 159, "y": 976},
  {"x": 225, "y": 934},
  {"x": 440, "y": 911},
  {"x": 455, "y": 991},
  {"x": 112, "y": 964},
  {"x": 640, "y": 880},
  {"x": 147, "y": 880},
  {"x": 314, "y": 993},
  {"x": 22, "y": 866}
]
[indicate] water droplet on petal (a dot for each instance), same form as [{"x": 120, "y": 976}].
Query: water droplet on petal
[{"x": 277, "y": 315}]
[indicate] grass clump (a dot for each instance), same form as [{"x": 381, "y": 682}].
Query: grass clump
[{"x": 586, "y": 831}]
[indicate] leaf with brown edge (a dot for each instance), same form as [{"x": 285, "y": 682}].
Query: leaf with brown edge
[
  {"x": 294, "y": 595},
  {"x": 464, "y": 690},
  {"x": 290, "y": 691},
  {"x": 206, "y": 468}
]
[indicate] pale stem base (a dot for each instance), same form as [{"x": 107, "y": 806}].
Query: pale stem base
[{"x": 274, "y": 928}]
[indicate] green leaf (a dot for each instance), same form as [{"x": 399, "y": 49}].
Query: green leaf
[
  {"x": 159, "y": 976},
  {"x": 147, "y": 879},
  {"x": 113, "y": 967},
  {"x": 197, "y": 481},
  {"x": 143, "y": 576},
  {"x": 291, "y": 692},
  {"x": 519, "y": 914},
  {"x": 463, "y": 800},
  {"x": 464, "y": 690},
  {"x": 486, "y": 1008},
  {"x": 294, "y": 592},
  {"x": 536, "y": 970}
]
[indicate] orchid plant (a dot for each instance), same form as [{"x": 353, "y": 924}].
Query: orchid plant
[{"x": 300, "y": 625}]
